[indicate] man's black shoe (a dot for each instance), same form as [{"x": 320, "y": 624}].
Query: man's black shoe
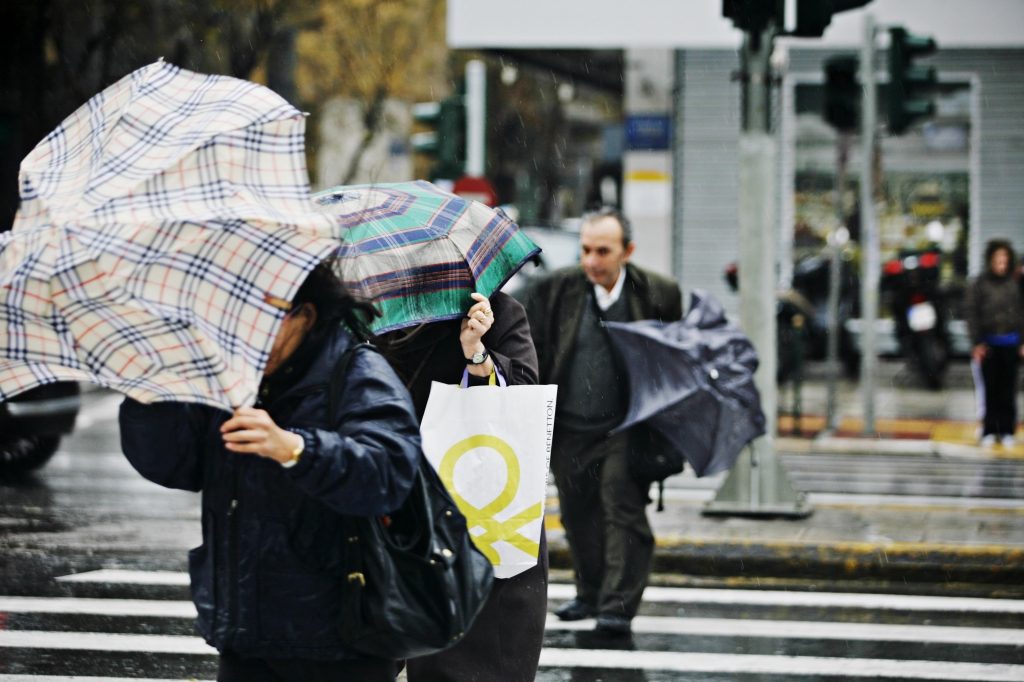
[
  {"x": 610, "y": 624},
  {"x": 575, "y": 610}
]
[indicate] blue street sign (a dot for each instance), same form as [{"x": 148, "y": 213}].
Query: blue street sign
[{"x": 649, "y": 132}]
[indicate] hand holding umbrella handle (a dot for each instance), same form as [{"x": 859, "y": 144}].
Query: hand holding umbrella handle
[
  {"x": 252, "y": 431},
  {"x": 477, "y": 322}
]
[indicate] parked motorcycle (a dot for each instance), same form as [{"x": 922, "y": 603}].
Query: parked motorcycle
[
  {"x": 32, "y": 424},
  {"x": 910, "y": 284}
]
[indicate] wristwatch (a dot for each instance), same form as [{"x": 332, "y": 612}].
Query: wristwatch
[
  {"x": 296, "y": 453},
  {"x": 478, "y": 358}
]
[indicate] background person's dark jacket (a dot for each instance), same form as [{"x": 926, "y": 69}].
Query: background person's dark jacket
[
  {"x": 504, "y": 643},
  {"x": 435, "y": 354},
  {"x": 993, "y": 306},
  {"x": 266, "y": 579}
]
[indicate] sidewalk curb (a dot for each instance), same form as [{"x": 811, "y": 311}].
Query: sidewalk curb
[
  {"x": 913, "y": 447},
  {"x": 839, "y": 560}
]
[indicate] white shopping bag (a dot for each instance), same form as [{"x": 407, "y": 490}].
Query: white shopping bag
[{"x": 491, "y": 446}]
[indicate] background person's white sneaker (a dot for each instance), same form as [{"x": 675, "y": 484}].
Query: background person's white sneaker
[
  {"x": 988, "y": 440},
  {"x": 1008, "y": 441}
]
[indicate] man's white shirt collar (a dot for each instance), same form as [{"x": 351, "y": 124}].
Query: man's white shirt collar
[{"x": 606, "y": 299}]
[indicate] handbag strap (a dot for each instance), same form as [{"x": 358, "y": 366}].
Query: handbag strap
[{"x": 495, "y": 377}]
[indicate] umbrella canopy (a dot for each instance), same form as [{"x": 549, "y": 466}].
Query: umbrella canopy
[
  {"x": 419, "y": 251},
  {"x": 692, "y": 381},
  {"x": 158, "y": 226}
]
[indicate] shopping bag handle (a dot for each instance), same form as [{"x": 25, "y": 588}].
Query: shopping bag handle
[{"x": 490, "y": 380}]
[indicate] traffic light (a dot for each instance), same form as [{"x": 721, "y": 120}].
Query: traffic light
[
  {"x": 753, "y": 15},
  {"x": 446, "y": 143},
  {"x": 907, "y": 82},
  {"x": 842, "y": 93},
  {"x": 814, "y": 16}
]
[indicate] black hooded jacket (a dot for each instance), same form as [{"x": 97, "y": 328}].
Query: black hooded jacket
[
  {"x": 266, "y": 579},
  {"x": 992, "y": 304}
]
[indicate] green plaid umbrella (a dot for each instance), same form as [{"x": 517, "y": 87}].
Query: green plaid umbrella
[{"x": 419, "y": 252}]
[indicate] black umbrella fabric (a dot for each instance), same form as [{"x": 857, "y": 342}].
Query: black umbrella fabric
[{"x": 692, "y": 381}]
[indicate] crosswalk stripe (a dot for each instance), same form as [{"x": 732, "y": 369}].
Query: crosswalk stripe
[
  {"x": 779, "y": 665},
  {"x": 127, "y": 577},
  {"x": 99, "y": 607},
  {"x": 79, "y": 678},
  {"x": 104, "y": 641},
  {"x": 699, "y": 495},
  {"x": 859, "y": 600},
  {"x": 580, "y": 658},
  {"x": 792, "y": 629},
  {"x": 717, "y": 627}
]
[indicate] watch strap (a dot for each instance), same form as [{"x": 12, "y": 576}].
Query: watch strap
[
  {"x": 483, "y": 358},
  {"x": 296, "y": 454}
]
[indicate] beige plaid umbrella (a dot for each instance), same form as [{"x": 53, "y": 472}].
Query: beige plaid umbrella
[{"x": 159, "y": 224}]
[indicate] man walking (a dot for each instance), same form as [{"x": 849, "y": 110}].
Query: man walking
[{"x": 603, "y": 507}]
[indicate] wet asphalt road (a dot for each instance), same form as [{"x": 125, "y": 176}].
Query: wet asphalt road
[{"x": 125, "y": 614}]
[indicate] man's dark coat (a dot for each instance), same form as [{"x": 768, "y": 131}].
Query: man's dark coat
[{"x": 555, "y": 305}]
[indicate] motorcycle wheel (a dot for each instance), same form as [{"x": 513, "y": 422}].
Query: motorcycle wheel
[
  {"x": 932, "y": 357},
  {"x": 22, "y": 454}
]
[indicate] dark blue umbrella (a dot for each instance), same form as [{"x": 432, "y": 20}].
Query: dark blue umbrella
[{"x": 692, "y": 382}]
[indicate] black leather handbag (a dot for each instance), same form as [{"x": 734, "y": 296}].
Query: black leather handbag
[{"x": 413, "y": 579}]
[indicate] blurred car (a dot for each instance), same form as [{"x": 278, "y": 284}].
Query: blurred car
[
  {"x": 32, "y": 424},
  {"x": 559, "y": 248}
]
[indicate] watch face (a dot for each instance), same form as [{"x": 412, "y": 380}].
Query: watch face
[{"x": 478, "y": 358}]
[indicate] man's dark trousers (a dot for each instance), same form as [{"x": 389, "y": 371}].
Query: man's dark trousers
[{"x": 604, "y": 513}]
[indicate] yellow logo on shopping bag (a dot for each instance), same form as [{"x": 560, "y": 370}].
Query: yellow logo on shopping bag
[{"x": 484, "y": 517}]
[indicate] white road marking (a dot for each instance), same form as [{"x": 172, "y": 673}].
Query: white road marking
[
  {"x": 738, "y": 664},
  {"x": 881, "y": 602},
  {"x": 695, "y": 495},
  {"x": 730, "y": 663},
  {"x": 716, "y": 627},
  {"x": 79, "y": 678},
  {"x": 104, "y": 641},
  {"x": 793, "y": 629},
  {"x": 691, "y": 595},
  {"x": 127, "y": 577},
  {"x": 157, "y": 608}
]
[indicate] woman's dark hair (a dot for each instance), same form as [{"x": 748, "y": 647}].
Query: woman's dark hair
[
  {"x": 997, "y": 244},
  {"x": 325, "y": 290}
]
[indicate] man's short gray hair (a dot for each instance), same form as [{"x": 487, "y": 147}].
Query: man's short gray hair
[{"x": 611, "y": 212}]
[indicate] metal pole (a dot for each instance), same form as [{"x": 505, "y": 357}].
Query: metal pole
[
  {"x": 476, "y": 114},
  {"x": 834, "y": 284},
  {"x": 757, "y": 483},
  {"x": 679, "y": 68},
  {"x": 757, "y": 218},
  {"x": 870, "y": 259}
]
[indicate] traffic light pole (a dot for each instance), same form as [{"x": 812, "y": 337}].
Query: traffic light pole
[
  {"x": 757, "y": 485},
  {"x": 870, "y": 258},
  {"x": 476, "y": 115},
  {"x": 835, "y": 284}
]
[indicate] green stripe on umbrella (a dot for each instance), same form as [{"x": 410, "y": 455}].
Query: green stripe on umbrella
[{"x": 419, "y": 251}]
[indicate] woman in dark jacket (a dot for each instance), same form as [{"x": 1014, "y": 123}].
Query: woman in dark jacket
[
  {"x": 274, "y": 479},
  {"x": 996, "y": 325},
  {"x": 504, "y": 643}
]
